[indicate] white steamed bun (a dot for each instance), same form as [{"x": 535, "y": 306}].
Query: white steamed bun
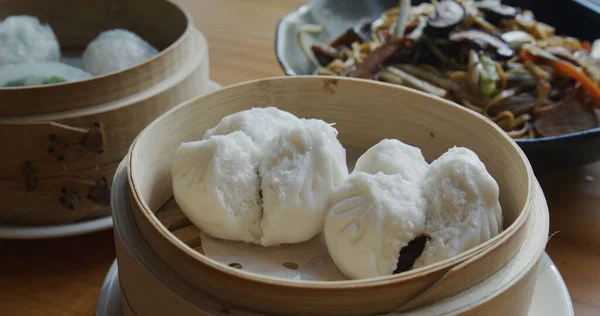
[
  {"x": 300, "y": 169},
  {"x": 391, "y": 156},
  {"x": 216, "y": 184},
  {"x": 232, "y": 188},
  {"x": 463, "y": 211},
  {"x": 23, "y": 38},
  {"x": 260, "y": 124},
  {"x": 39, "y": 73},
  {"x": 115, "y": 50},
  {"x": 372, "y": 217}
]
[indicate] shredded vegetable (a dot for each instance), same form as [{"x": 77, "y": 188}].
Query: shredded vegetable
[{"x": 491, "y": 58}]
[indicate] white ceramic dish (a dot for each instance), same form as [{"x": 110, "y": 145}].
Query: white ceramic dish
[
  {"x": 64, "y": 230},
  {"x": 551, "y": 297},
  {"x": 56, "y": 231}
]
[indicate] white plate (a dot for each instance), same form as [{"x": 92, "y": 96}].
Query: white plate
[
  {"x": 65, "y": 230},
  {"x": 551, "y": 297},
  {"x": 56, "y": 231}
]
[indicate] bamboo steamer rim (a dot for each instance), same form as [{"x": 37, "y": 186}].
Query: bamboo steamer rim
[
  {"x": 188, "y": 28},
  {"x": 380, "y": 281},
  {"x": 67, "y": 98},
  {"x": 538, "y": 220},
  {"x": 201, "y": 53}
]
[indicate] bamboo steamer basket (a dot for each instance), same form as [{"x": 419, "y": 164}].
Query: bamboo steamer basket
[
  {"x": 364, "y": 112},
  {"x": 62, "y": 143},
  {"x": 149, "y": 287}
]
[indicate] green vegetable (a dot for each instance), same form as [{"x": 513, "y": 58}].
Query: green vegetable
[
  {"x": 53, "y": 80},
  {"x": 15, "y": 83},
  {"x": 488, "y": 78}
]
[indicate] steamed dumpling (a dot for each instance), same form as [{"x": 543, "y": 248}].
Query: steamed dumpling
[
  {"x": 391, "y": 156},
  {"x": 39, "y": 73},
  {"x": 116, "y": 50},
  {"x": 260, "y": 124},
  {"x": 216, "y": 184},
  {"x": 463, "y": 211},
  {"x": 23, "y": 38},
  {"x": 233, "y": 189},
  {"x": 372, "y": 217},
  {"x": 300, "y": 169}
]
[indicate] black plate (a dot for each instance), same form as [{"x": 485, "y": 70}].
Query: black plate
[{"x": 578, "y": 18}]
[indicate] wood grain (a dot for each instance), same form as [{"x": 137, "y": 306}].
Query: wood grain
[{"x": 241, "y": 42}]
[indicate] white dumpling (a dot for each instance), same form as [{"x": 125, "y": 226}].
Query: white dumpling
[
  {"x": 23, "y": 38},
  {"x": 464, "y": 210},
  {"x": 115, "y": 50},
  {"x": 300, "y": 169},
  {"x": 260, "y": 124},
  {"x": 372, "y": 217},
  {"x": 39, "y": 73},
  {"x": 216, "y": 184},
  {"x": 391, "y": 156}
]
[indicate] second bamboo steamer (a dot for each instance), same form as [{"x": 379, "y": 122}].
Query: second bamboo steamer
[{"x": 61, "y": 144}]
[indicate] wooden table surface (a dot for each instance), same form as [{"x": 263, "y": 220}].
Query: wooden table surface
[{"x": 64, "y": 276}]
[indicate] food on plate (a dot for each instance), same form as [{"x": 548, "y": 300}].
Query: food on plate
[
  {"x": 492, "y": 58},
  {"x": 463, "y": 208},
  {"x": 39, "y": 73},
  {"x": 115, "y": 50},
  {"x": 270, "y": 186},
  {"x": 24, "y": 39}
]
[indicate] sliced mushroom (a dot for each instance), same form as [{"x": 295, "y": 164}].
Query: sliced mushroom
[
  {"x": 478, "y": 39},
  {"x": 448, "y": 15},
  {"x": 517, "y": 38},
  {"x": 495, "y": 11}
]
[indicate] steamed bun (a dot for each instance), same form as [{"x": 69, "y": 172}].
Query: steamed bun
[
  {"x": 217, "y": 186},
  {"x": 391, "y": 156},
  {"x": 300, "y": 169},
  {"x": 115, "y": 50},
  {"x": 260, "y": 124},
  {"x": 260, "y": 176},
  {"x": 23, "y": 38},
  {"x": 372, "y": 217},
  {"x": 463, "y": 211}
]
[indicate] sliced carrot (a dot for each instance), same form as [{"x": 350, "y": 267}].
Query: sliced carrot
[
  {"x": 525, "y": 56},
  {"x": 569, "y": 70}
]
